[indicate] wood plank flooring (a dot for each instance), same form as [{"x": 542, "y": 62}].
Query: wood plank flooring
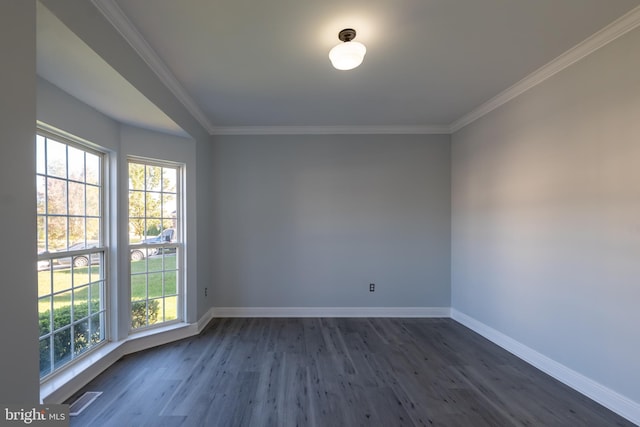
[{"x": 334, "y": 372}]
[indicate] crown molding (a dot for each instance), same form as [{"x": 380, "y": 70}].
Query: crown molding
[
  {"x": 616, "y": 29},
  {"x": 332, "y": 130},
  {"x": 114, "y": 14},
  {"x": 120, "y": 21}
]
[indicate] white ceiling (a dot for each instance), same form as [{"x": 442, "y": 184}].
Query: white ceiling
[{"x": 264, "y": 63}]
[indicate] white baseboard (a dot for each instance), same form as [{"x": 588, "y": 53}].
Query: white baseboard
[
  {"x": 158, "y": 336},
  {"x": 331, "y": 312},
  {"x": 205, "y": 319},
  {"x": 608, "y": 398}
]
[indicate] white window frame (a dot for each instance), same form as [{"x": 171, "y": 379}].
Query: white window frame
[
  {"x": 50, "y": 257},
  {"x": 179, "y": 246}
]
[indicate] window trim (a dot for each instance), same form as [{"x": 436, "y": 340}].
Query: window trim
[
  {"x": 180, "y": 245},
  {"x": 50, "y": 132}
]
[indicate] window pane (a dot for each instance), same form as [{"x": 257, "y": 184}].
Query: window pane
[
  {"x": 76, "y": 233},
  {"x": 80, "y": 303},
  {"x": 42, "y": 237},
  {"x": 96, "y": 297},
  {"x": 40, "y": 155},
  {"x": 76, "y": 198},
  {"x": 155, "y": 311},
  {"x": 169, "y": 206},
  {"x": 45, "y": 356},
  {"x": 154, "y": 178},
  {"x": 57, "y": 233},
  {"x": 155, "y": 264},
  {"x": 136, "y": 204},
  {"x": 134, "y": 237},
  {"x": 136, "y": 176},
  {"x": 155, "y": 284},
  {"x": 97, "y": 328},
  {"x": 93, "y": 200},
  {"x": 76, "y": 164},
  {"x": 93, "y": 169},
  {"x": 61, "y": 277},
  {"x": 137, "y": 223},
  {"x": 169, "y": 179},
  {"x": 153, "y": 208},
  {"x": 61, "y": 347},
  {"x": 80, "y": 274},
  {"x": 170, "y": 260},
  {"x": 138, "y": 261},
  {"x": 170, "y": 308},
  {"x": 44, "y": 315},
  {"x": 56, "y": 159},
  {"x": 96, "y": 266},
  {"x": 81, "y": 337},
  {"x": 56, "y": 196},
  {"x": 138, "y": 287},
  {"x": 62, "y": 310},
  {"x": 44, "y": 282},
  {"x": 170, "y": 284},
  {"x": 41, "y": 197},
  {"x": 154, "y": 228},
  {"x": 139, "y": 314},
  {"x": 170, "y": 224},
  {"x": 93, "y": 229}
]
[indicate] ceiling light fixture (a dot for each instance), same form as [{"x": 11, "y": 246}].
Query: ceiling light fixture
[{"x": 347, "y": 55}]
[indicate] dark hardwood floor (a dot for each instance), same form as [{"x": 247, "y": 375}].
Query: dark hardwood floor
[{"x": 334, "y": 372}]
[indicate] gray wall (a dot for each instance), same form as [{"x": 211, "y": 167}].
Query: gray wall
[
  {"x": 57, "y": 108},
  {"x": 18, "y": 312},
  {"x": 310, "y": 221},
  {"x": 546, "y": 217}
]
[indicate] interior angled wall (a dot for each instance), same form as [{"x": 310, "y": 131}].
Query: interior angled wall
[{"x": 546, "y": 218}]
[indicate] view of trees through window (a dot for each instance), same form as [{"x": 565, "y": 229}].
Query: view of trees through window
[
  {"x": 68, "y": 196},
  {"x": 154, "y": 243},
  {"x": 71, "y": 252}
]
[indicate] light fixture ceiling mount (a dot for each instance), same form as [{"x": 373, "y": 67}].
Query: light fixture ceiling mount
[
  {"x": 349, "y": 54},
  {"x": 347, "y": 34}
]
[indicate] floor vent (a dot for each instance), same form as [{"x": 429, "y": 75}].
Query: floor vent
[{"x": 82, "y": 402}]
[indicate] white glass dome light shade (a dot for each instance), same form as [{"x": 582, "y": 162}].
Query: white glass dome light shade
[{"x": 347, "y": 55}]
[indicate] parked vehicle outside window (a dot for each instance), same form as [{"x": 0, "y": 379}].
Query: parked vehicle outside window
[
  {"x": 167, "y": 236},
  {"x": 82, "y": 260}
]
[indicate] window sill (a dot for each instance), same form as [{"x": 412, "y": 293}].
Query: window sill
[{"x": 61, "y": 385}]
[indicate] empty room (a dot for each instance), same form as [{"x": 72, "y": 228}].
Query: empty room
[{"x": 279, "y": 213}]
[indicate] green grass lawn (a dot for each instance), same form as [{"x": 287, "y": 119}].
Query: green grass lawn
[{"x": 82, "y": 281}]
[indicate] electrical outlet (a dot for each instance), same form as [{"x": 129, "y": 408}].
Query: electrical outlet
[
  {"x": 205, "y": 291},
  {"x": 372, "y": 287}
]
